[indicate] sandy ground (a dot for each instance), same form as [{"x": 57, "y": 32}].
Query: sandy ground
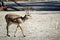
[{"x": 44, "y": 25}]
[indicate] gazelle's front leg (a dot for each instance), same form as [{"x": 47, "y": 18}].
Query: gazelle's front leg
[
  {"x": 22, "y": 30},
  {"x": 16, "y": 30}
]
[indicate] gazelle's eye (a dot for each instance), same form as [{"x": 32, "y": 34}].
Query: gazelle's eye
[{"x": 28, "y": 15}]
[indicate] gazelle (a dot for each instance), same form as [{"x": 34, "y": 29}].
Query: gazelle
[{"x": 14, "y": 18}]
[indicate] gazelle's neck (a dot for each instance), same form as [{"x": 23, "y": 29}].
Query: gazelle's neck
[{"x": 24, "y": 18}]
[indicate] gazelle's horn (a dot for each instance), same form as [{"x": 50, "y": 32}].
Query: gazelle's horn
[
  {"x": 28, "y": 13},
  {"x": 27, "y": 10}
]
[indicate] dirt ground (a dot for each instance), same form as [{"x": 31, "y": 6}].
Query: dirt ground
[{"x": 44, "y": 25}]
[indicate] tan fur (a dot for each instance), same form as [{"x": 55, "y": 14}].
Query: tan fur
[{"x": 14, "y": 18}]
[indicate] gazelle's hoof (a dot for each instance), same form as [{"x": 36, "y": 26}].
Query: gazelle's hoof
[
  {"x": 14, "y": 36},
  {"x": 24, "y": 36},
  {"x": 8, "y": 35}
]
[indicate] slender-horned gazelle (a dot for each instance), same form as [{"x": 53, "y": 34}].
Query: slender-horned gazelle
[{"x": 14, "y": 18}]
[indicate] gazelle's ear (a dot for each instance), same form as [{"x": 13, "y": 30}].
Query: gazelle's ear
[{"x": 27, "y": 12}]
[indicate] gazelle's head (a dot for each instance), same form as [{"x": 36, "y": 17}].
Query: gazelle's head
[{"x": 28, "y": 16}]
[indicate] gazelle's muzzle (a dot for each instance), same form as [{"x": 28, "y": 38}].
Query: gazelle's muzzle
[{"x": 31, "y": 17}]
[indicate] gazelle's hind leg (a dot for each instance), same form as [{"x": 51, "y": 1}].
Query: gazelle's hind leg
[{"x": 7, "y": 28}]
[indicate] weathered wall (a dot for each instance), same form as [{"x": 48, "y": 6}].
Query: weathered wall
[
  {"x": 33, "y": 0},
  {"x": 44, "y": 25},
  {"x": 44, "y": 0}
]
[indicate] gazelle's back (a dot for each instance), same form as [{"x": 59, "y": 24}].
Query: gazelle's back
[{"x": 12, "y": 17}]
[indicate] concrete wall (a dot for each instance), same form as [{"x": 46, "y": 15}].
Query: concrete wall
[{"x": 44, "y": 25}]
